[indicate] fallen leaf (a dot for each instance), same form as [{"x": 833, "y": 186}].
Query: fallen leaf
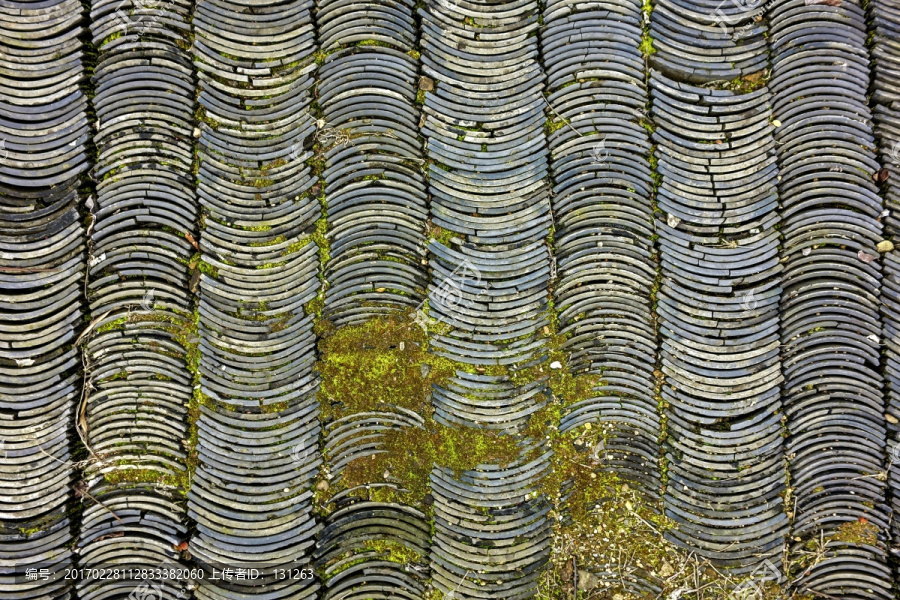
[
  {"x": 666, "y": 569},
  {"x": 865, "y": 256},
  {"x": 587, "y": 580},
  {"x": 885, "y": 246},
  {"x": 754, "y": 77},
  {"x": 881, "y": 175},
  {"x": 890, "y": 418},
  {"x": 191, "y": 239}
]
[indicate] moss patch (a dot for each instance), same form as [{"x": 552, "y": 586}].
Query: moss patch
[
  {"x": 379, "y": 361},
  {"x": 857, "y": 532},
  {"x": 646, "y": 46},
  {"x": 438, "y": 233}
]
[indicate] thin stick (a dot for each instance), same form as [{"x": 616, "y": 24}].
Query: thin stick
[
  {"x": 28, "y": 270},
  {"x": 574, "y": 579},
  {"x": 84, "y": 491},
  {"x": 564, "y": 120}
]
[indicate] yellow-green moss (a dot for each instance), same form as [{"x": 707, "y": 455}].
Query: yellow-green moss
[
  {"x": 381, "y": 359},
  {"x": 646, "y": 46},
  {"x": 111, "y": 37},
  {"x": 551, "y": 125},
  {"x": 857, "y": 532},
  {"x": 438, "y": 233}
]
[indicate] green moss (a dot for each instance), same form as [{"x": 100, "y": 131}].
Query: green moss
[
  {"x": 278, "y": 162},
  {"x": 116, "y": 324},
  {"x": 436, "y": 232},
  {"x": 381, "y": 359},
  {"x": 387, "y": 359},
  {"x": 393, "y": 551},
  {"x": 298, "y": 245},
  {"x": 113, "y": 36},
  {"x": 321, "y": 239},
  {"x": 373, "y": 43},
  {"x": 315, "y": 306},
  {"x": 272, "y": 242},
  {"x": 414, "y": 54},
  {"x": 202, "y": 117},
  {"x": 207, "y": 269},
  {"x": 646, "y": 46},
  {"x": 857, "y": 532},
  {"x": 551, "y": 125},
  {"x": 136, "y": 475},
  {"x": 316, "y": 163}
]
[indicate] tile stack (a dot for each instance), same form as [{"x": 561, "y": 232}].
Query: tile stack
[
  {"x": 831, "y": 325},
  {"x": 141, "y": 306},
  {"x": 484, "y": 133},
  {"x": 43, "y": 137},
  {"x": 258, "y": 428}
]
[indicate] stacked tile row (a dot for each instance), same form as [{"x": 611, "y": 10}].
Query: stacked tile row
[
  {"x": 488, "y": 170},
  {"x": 43, "y": 134},
  {"x": 718, "y": 311},
  {"x": 884, "y": 23},
  {"x": 350, "y": 549},
  {"x": 374, "y": 183},
  {"x": 258, "y": 428},
  {"x": 831, "y": 331},
  {"x": 375, "y": 190},
  {"x": 718, "y": 303},
  {"x": 699, "y": 41},
  {"x": 602, "y": 211},
  {"x": 138, "y": 290}
]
